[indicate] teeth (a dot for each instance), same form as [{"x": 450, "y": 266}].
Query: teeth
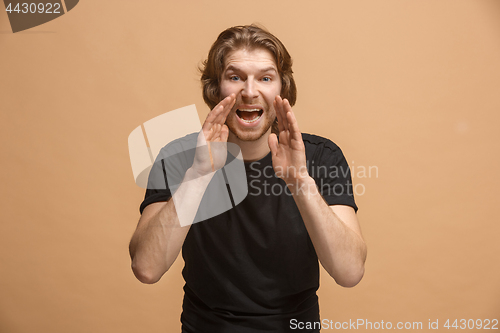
[
  {"x": 251, "y": 121},
  {"x": 260, "y": 111},
  {"x": 249, "y": 110}
]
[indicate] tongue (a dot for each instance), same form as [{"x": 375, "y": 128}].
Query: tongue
[{"x": 249, "y": 115}]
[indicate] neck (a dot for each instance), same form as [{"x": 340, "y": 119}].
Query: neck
[{"x": 252, "y": 150}]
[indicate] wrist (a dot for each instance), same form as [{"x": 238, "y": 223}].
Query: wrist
[
  {"x": 293, "y": 176},
  {"x": 194, "y": 175},
  {"x": 302, "y": 186}
]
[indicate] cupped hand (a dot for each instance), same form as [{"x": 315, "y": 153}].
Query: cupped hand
[
  {"x": 288, "y": 152},
  {"x": 211, "y": 150}
]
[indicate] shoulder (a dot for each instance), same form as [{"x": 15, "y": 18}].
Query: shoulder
[
  {"x": 315, "y": 142},
  {"x": 322, "y": 151},
  {"x": 178, "y": 146}
]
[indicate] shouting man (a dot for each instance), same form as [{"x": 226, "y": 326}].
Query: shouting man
[{"x": 254, "y": 268}]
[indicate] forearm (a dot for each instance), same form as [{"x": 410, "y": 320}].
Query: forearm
[
  {"x": 159, "y": 236},
  {"x": 341, "y": 250},
  {"x": 155, "y": 244}
]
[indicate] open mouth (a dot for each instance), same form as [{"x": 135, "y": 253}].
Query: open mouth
[{"x": 249, "y": 115}]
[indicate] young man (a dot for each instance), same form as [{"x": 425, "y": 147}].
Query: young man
[{"x": 254, "y": 268}]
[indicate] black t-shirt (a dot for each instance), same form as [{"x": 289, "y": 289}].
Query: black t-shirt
[{"x": 253, "y": 268}]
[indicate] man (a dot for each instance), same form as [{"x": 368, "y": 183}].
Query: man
[{"x": 254, "y": 268}]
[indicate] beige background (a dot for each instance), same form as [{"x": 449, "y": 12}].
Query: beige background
[{"x": 411, "y": 87}]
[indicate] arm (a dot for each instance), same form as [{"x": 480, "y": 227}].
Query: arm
[
  {"x": 335, "y": 234},
  {"x": 334, "y": 230},
  {"x": 159, "y": 236},
  {"x": 163, "y": 226}
]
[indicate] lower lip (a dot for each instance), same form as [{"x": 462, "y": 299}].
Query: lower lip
[{"x": 252, "y": 124}]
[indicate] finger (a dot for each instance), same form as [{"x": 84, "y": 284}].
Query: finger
[
  {"x": 209, "y": 128},
  {"x": 284, "y": 114},
  {"x": 215, "y": 114},
  {"x": 295, "y": 133},
  {"x": 277, "y": 107},
  {"x": 272, "y": 141},
  {"x": 212, "y": 115},
  {"x": 217, "y": 110},
  {"x": 227, "y": 104},
  {"x": 284, "y": 138},
  {"x": 216, "y": 131}
]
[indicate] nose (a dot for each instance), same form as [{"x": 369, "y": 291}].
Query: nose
[{"x": 249, "y": 90}]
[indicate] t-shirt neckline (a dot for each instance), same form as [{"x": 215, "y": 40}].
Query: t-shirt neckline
[{"x": 259, "y": 164}]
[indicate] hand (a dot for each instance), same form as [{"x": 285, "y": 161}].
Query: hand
[
  {"x": 211, "y": 151},
  {"x": 289, "y": 154}
]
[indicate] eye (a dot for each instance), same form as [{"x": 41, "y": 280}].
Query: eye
[
  {"x": 266, "y": 79},
  {"x": 234, "y": 78}
]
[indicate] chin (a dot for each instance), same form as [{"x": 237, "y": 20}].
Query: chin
[{"x": 245, "y": 136}]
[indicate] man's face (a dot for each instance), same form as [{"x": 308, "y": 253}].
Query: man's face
[{"x": 253, "y": 77}]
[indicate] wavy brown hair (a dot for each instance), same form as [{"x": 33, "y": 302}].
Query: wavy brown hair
[{"x": 249, "y": 37}]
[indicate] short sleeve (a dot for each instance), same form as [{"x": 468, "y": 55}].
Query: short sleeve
[
  {"x": 169, "y": 169},
  {"x": 156, "y": 193},
  {"x": 330, "y": 170}
]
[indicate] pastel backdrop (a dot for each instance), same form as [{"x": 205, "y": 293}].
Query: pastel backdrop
[{"x": 408, "y": 88}]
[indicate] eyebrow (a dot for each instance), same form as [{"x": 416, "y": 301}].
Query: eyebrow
[{"x": 236, "y": 69}]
